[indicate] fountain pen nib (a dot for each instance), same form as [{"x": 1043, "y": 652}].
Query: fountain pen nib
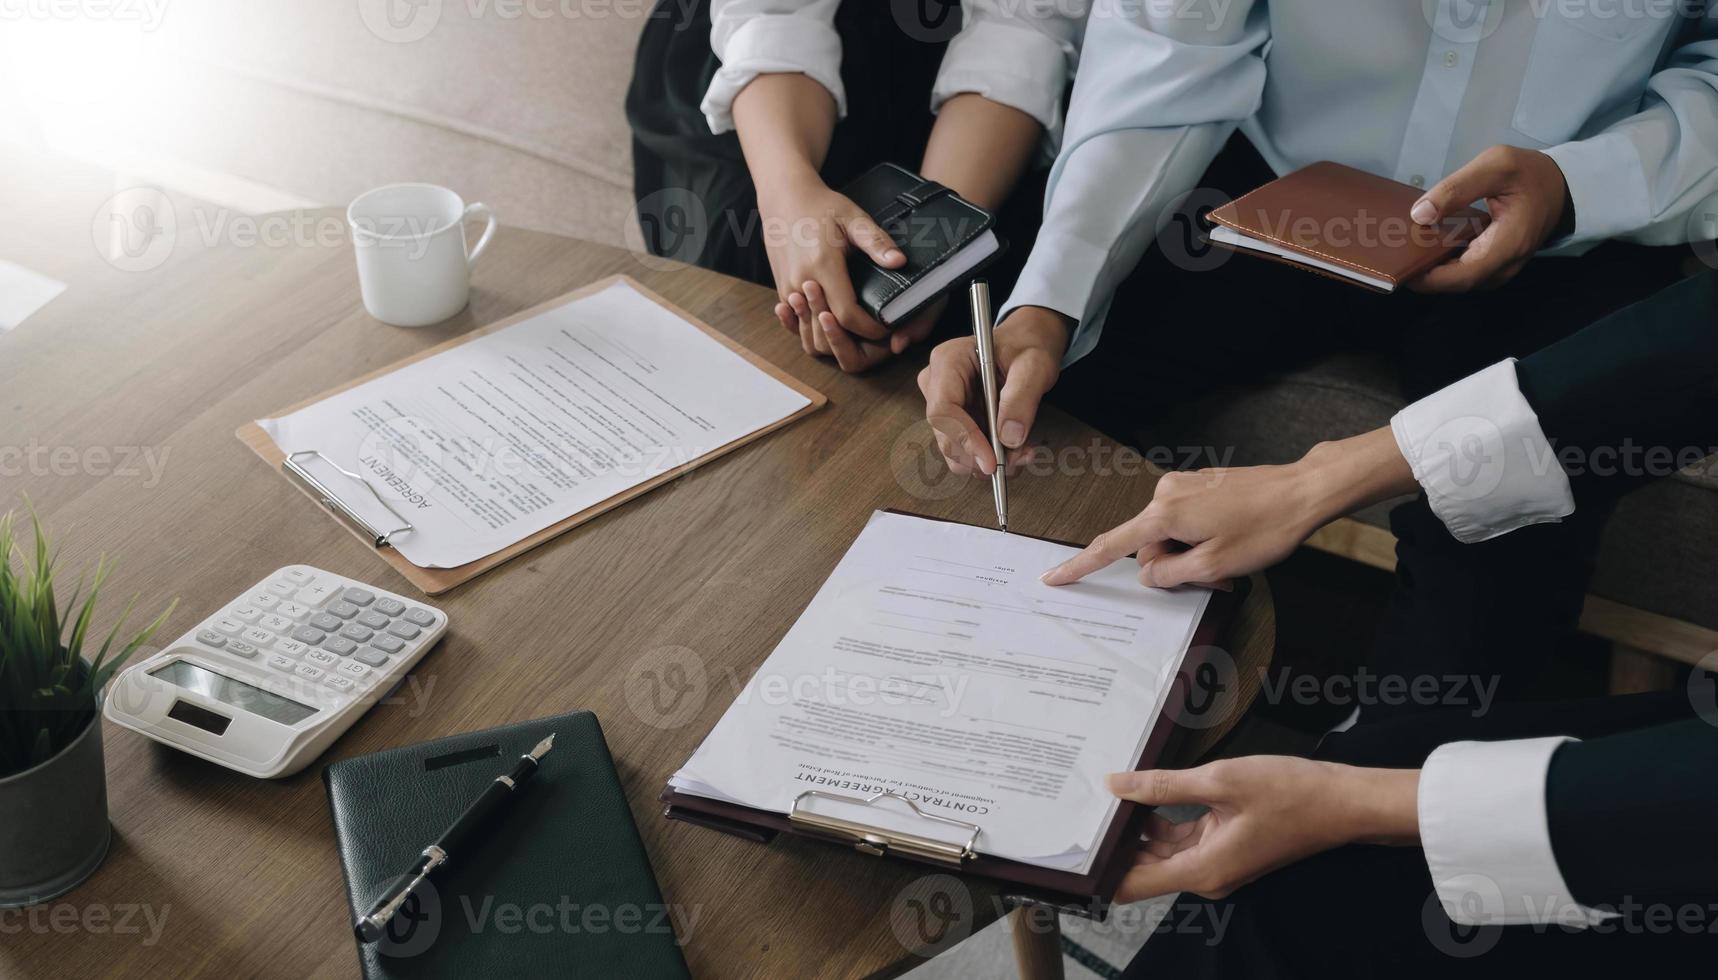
[{"x": 543, "y": 747}]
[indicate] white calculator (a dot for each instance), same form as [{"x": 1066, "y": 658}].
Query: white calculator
[{"x": 268, "y": 682}]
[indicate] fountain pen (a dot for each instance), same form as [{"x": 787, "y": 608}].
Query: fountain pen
[{"x": 495, "y": 799}]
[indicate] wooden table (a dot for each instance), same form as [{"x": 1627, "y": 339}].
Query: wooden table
[{"x": 708, "y": 572}]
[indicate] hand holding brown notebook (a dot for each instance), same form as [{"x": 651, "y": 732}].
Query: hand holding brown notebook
[{"x": 1344, "y": 223}]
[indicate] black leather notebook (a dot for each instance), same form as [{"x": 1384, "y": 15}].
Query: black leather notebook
[
  {"x": 945, "y": 237},
  {"x": 561, "y": 887}
]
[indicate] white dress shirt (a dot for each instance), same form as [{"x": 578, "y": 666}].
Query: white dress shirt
[
  {"x": 1477, "y": 449},
  {"x": 1411, "y": 90},
  {"x": 1018, "y": 54}
]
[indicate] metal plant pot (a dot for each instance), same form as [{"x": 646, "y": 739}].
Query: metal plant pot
[{"x": 53, "y": 823}]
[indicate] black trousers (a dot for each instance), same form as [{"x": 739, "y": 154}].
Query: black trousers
[
  {"x": 1370, "y": 911},
  {"x": 1192, "y": 319},
  {"x": 696, "y": 201}
]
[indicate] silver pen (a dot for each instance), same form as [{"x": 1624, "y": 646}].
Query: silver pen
[{"x": 983, "y": 329}]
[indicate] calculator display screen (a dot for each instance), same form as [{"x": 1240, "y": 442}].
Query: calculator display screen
[{"x": 228, "y": 691}]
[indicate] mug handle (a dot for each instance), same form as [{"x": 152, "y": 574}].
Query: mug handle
[{"x": 473, "y": 211}]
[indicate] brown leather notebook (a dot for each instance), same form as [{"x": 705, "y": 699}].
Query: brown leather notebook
[
  {"x": 1343, "y": 223},
  {"x": 1088, "y": 894}
]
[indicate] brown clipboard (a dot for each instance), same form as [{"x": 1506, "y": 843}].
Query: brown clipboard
[
  {"x": 1089, "y": 894},
  {"x": 434, "y": 581}
]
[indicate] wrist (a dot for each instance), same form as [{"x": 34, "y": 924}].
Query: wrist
[
  {"x": 1038, "y": 326},
  {"x": 786, "y": 182},
  {"x": 1344, "y": 475},
  {"x": 1381, "y": 806}
]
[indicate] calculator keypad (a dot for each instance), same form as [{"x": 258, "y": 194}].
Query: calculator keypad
[
  {"x": 371, "y": 656},
  {"x": 318, "y": 630}
]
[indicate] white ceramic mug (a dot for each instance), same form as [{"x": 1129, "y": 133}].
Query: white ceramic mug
[{"x": 413, "y": 268}]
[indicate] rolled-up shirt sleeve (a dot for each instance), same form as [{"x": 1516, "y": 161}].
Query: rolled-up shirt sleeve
[
  {"x": 1487, "y": 838},
  {"x": 761, "y": 37},
  {"x": 1018, "y": 55},
  {"x": 1477, "y": 449}
]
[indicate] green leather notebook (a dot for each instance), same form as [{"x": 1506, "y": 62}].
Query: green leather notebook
[{"x": 560, "y": 885}]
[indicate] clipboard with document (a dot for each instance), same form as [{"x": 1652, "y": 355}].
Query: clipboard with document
[
  {"x": 919, "y": 783},
  {"x": 463, "y": 456}
]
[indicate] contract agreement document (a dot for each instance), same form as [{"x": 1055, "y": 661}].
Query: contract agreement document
[
  {"x": 933, "y": 664},
  {"x": 488, "y": 442}
]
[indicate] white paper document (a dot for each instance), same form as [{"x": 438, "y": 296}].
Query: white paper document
[
  {"x": 933, "y": 664},
  {"x": 491, "y": 441}
]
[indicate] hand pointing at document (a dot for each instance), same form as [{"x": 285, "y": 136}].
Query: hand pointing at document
[{"x": 1207, "y": 526}]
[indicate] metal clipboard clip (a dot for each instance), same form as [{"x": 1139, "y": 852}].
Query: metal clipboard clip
[
  {"x": 379, "y": 538},
  {"x": 876, "y": 842}
]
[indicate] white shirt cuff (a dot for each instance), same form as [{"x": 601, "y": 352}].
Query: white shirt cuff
[
  {"x": 774, "y": 44},
  {"x": 1487, "y": 838},
  {"x": 1607, "y": 186},
  {"x": 1014, "y": 66},
  {"x": 1477, "y": 449}
]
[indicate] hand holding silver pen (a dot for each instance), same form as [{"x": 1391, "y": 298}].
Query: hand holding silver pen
[{"x": 984, "y": 336}]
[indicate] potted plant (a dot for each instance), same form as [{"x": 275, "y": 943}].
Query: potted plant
[{"x": 53, "y": 791}]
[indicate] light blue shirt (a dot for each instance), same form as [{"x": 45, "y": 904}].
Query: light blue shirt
[{"x": 1623, "y": 94}]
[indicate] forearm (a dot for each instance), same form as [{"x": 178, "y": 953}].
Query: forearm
[
  {"x": 979, "y": 148},
  {"x": 785, "y": 122}
]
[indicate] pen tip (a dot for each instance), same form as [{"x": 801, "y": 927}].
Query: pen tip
[{"x": 542, "y": 748}]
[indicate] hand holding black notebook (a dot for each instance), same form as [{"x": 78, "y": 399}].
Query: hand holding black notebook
[{"x": 945, "y": 238}]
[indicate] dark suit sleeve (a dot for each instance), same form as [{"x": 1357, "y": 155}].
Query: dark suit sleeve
[
  {"x": 1631, "y": 815},
  {"x": 1640, "y": 384},
  {"x": 1628, "y": 399}
]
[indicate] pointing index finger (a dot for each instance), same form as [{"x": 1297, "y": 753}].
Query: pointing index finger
[{"x": 1106, "y": 548}]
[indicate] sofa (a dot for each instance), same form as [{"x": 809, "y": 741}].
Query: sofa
[{"x": 518, "y": 103}]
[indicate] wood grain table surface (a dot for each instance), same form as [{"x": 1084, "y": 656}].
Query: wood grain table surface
[{"x": 118, "y": 404}]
